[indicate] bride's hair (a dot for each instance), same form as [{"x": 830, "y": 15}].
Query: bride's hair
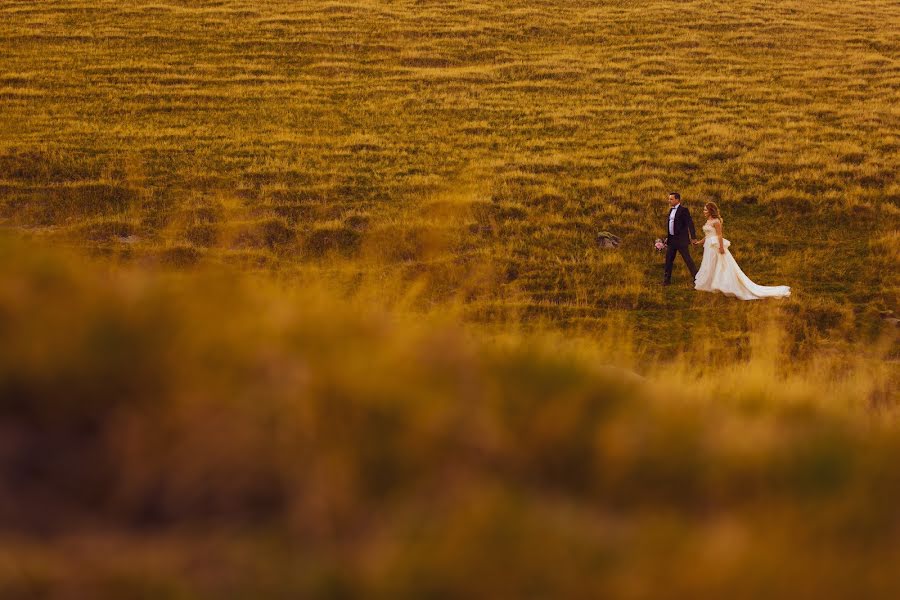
[{"x": 714, "y": 211}]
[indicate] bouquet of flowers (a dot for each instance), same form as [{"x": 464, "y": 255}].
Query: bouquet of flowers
[{"x": 660, "y": 244}]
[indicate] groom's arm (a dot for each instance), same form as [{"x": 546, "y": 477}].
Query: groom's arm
[{"x": 691, "y": 225}]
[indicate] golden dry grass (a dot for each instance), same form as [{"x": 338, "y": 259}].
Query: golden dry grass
[
  {"x": 270, "y": 135},
  {"x": 390, "y": 384}
]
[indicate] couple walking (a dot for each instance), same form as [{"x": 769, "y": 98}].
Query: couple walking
[{"x": 718, "y": 271}]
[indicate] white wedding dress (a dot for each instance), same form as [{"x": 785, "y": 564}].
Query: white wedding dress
[{"x": 721, "y": 273}]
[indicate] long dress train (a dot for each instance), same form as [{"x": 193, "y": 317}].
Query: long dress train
[{"x": 721, "y": 273}]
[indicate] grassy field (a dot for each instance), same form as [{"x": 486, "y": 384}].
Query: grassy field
[
  {"x": 435, "y": 138},
  {"x": 427, "y": 181}
]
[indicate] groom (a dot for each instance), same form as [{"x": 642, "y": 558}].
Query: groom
[{"x": 681, "y": 232}]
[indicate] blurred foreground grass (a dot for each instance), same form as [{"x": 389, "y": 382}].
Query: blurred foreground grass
[
  {"x": 365, "y": 402},
  {"x": 164, "y": 436}
]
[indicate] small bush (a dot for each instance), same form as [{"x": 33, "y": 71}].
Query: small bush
[
  {"x": 180, "y": 256},
  {"x": 341, "y": 240},
  {"x": 276, "y": 234},
  {"x": 204, "y": 235}
]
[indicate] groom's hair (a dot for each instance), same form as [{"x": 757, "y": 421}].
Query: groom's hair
[{"x": 676, "y": 194}]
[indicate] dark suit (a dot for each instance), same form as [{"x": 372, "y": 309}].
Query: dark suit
[{"x": 680, "y": 241}]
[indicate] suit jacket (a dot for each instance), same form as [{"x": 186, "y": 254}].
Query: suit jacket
[{"x": 684, "y": 228}]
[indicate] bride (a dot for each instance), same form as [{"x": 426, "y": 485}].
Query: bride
[{"x": 719, "y": 272}]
